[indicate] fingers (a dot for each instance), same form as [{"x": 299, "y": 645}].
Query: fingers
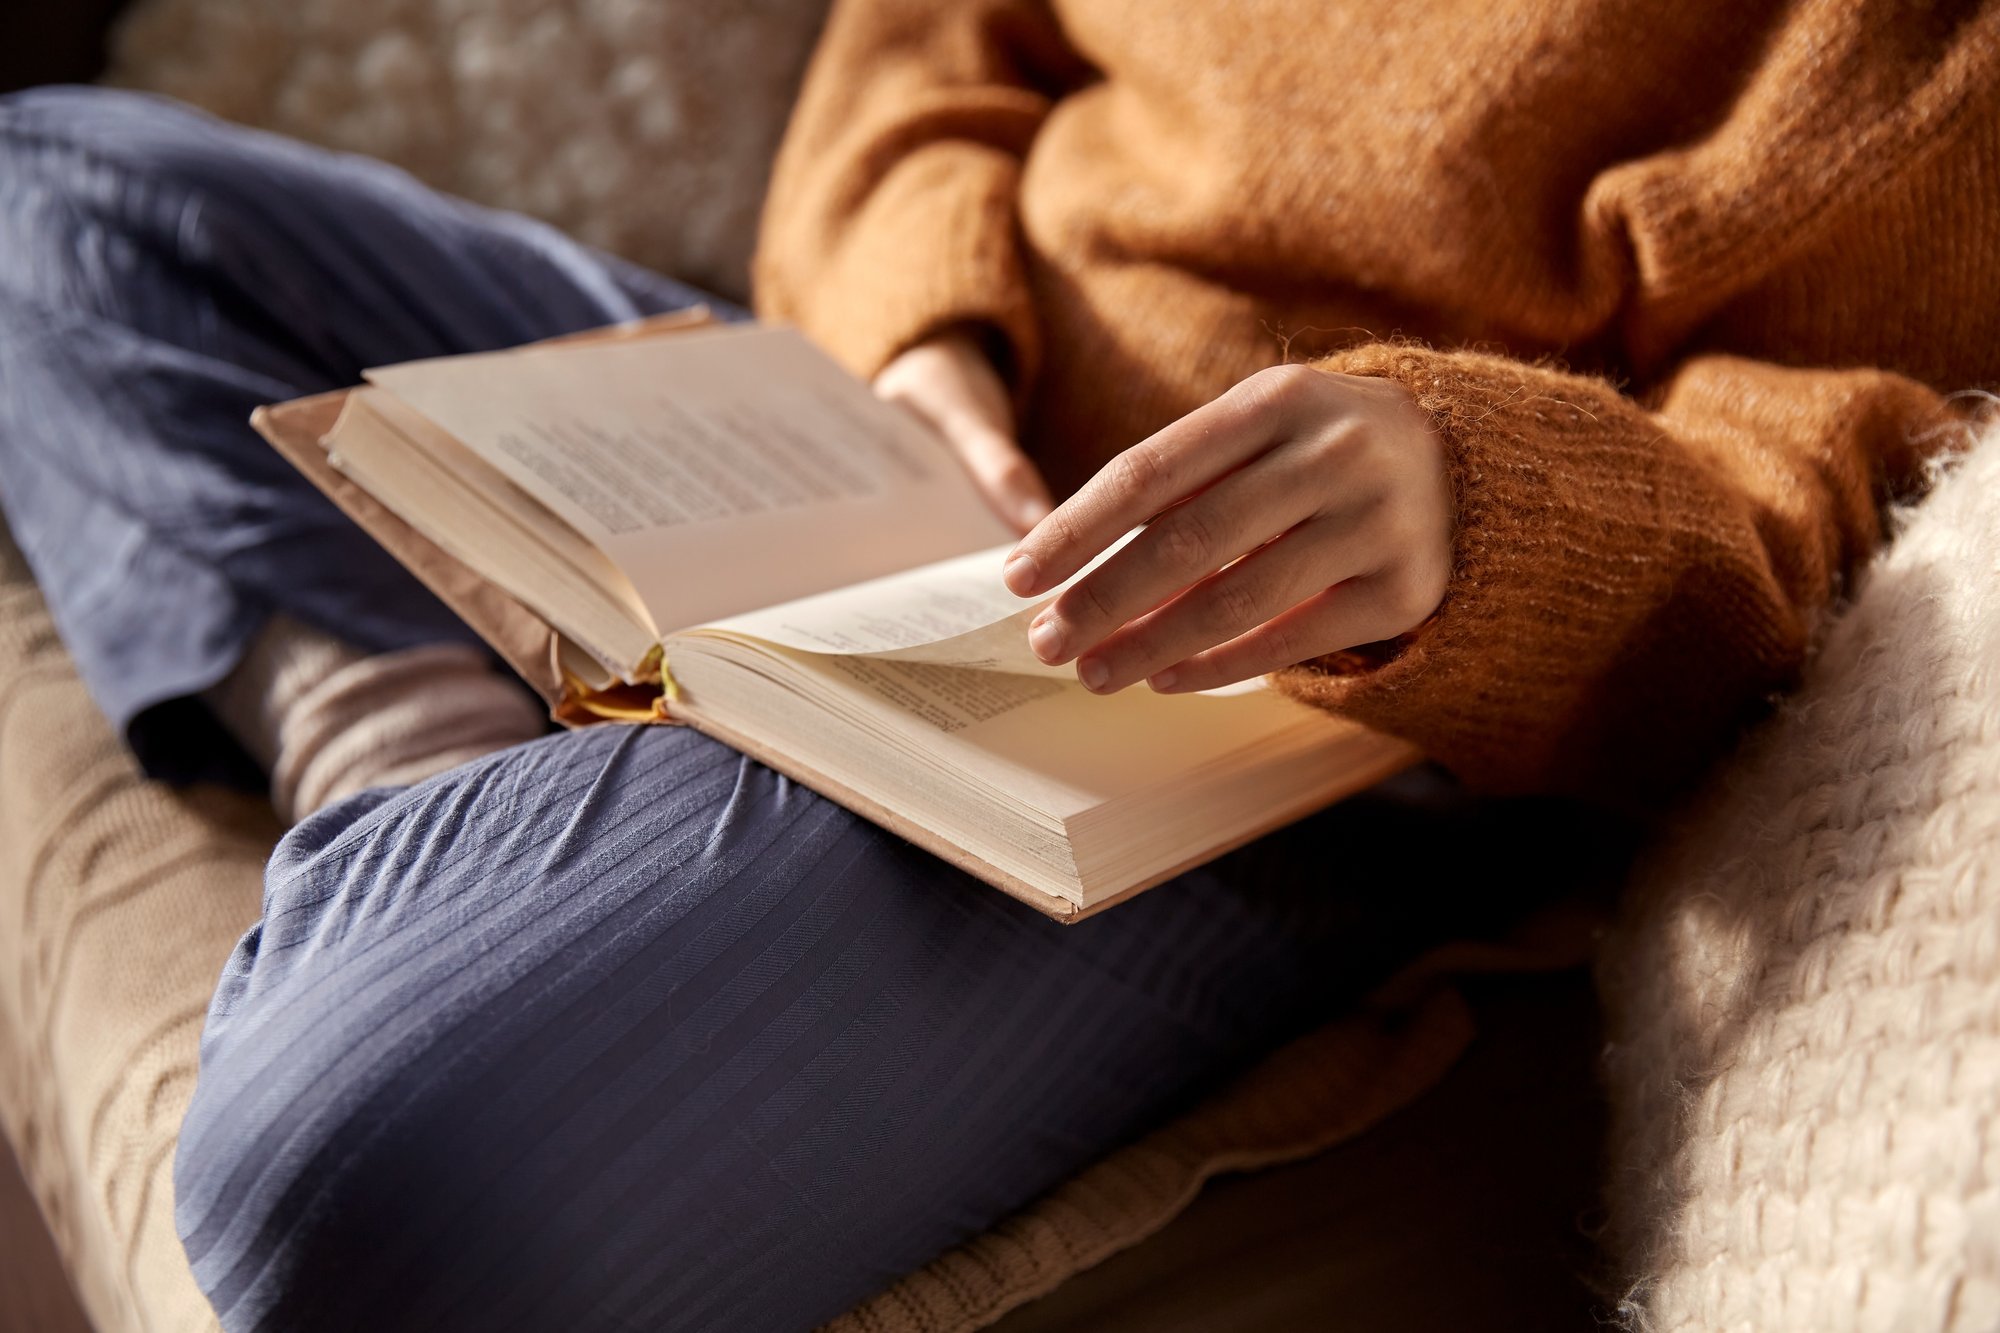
[
  {"x": 1170, "y": 465},
  {"x": 1296, "y": 568},
  {"x": 1301, "y": 513},
  {"x": 1182, "y": 547},
  {"x": 1363, "y": 610}
]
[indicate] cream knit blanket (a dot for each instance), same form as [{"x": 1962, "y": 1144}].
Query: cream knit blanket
[{"x": 1805, "y": 996}]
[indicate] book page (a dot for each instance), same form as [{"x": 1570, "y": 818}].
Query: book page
[
  {"x": 956, "y": 611},
  {"x": 546, "y": 534},
  {"x": 948, "y": 698},
  {"x": 1048, "y": 742},
  {"x": 721, "y": 470},
  {"x": 953, "y": 613},
  {"x": 467, "y": 524},
  {"x": 1055, "y": 742}
]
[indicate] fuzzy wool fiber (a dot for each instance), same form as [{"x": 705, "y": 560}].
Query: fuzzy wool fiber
[{"x": 1804, "y": 998}]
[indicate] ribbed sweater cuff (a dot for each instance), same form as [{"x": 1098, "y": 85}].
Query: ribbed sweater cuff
[{"x": 1607, "y": 615}]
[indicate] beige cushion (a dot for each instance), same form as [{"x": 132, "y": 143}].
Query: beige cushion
[{"x": 119, "y": 901}]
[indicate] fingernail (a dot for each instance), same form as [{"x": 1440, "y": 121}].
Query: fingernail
[
  {"x": 1092, "y": 673},
  {"x": 1046, "y": 638},
  {"x": 1164, "y": 680},
  {"x": 1019, "y": 574}
]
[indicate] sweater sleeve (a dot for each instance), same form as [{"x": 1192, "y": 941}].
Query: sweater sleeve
[
  {"x": 1638, "y": 575},
  {"x": 893, "y": 205},
  {"x": 1631, "y": 582}
]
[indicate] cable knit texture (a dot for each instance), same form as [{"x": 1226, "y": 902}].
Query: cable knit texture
[
  {"x": 1723, "y": 216},
  {"x": 1804, "y": 1000}
]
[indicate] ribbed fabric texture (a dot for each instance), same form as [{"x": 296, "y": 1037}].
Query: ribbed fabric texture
[
  {"x": 619, "y": 1029},
  {"x": 1675, "y": 199},
  {"x": 1804, "y": 999}
]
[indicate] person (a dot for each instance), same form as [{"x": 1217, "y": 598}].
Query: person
[{"x": 618, "y": 1029}]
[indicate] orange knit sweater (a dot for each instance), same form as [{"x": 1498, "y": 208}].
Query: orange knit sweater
[{"x": 1684, "y": 285}]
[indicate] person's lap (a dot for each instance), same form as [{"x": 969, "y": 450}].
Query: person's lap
[
  {"x": 619, "y": 1028},
  {"x": 623, "y": 1029}
]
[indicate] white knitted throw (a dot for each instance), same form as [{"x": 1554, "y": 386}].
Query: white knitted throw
[
  {"x": 646, "y": 127},
  {"x": 1805, "y": 998}
]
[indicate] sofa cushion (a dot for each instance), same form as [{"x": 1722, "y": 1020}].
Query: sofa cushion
[{"x": 119, "y": 901}]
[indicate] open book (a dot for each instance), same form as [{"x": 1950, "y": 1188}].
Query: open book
[{"x": 685, "y": 521}]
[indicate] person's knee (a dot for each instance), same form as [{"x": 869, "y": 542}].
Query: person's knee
[
  {"x": 102, "y": 162},
  {"x": 321, "y": 1161},
  {"x": 271, "y": 1201},
  {"x": 354, "y": 1154},
  {"x": 69, "y": 137},
  {"x": 316, "y": 1053},
  {"x": 91, "y": 173},
  {"x": 576, "y": 1010}
]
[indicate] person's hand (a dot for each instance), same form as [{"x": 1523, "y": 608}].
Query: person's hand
[
  {"x": 1300, "y": 513},
  {"x": 949, "y": 383}
]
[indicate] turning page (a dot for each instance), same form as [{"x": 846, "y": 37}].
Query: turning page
[{"x": 956, "y": 613}]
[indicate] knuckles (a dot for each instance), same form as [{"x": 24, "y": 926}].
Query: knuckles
[
  {"x": 1282, "y": 391},
  {"x": 1345, "y": 453},
  {"x": 1343, "y": 438},
  {"x": 1187, "y": 541},
  {"x": 1083, "y": 607},
  {"x": 1139, "y": 471},
  {"x": 1233, "y": 606},
  {"x": 1288, "y": 385},
  {"x": 1057, "y": 532},
  {"x": 1282, "y": 644}
]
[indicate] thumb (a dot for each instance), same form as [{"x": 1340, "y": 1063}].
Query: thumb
[
  {"x": 949, "y": 383},
  {"x": 1006, "y": 476}
]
